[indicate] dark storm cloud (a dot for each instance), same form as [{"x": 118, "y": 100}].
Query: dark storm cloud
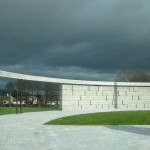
[{"x": 74, "y": 38}]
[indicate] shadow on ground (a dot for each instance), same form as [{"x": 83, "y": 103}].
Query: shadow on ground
[{"x": 132, "y": 129}]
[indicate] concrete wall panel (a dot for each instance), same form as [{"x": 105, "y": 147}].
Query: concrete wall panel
[
  {"x": 122, "y": 106},
  {"x": 140, "y": 105},
  {"x": 72, "y": 108},
  {"x": 67, "y": 92},
  {"x": 88, "y": 107},
  {"x": 122, "y": 93},
  {"x": 108, "y": 92},
  {"x": 80, "y": 87},
  {"x": 99, "y": 107},
  {"x": 144, "y": 97},
  {"x": 105, "y": 106},
  {"x": 90, "y": 93},
  {"x": 93, "y": 88},
  {"x": 84, "y": 102},
  {"x": 124, "y": 98},
  {"x": 78, "y": 92},
  {"x": 106, "y": 88},
  {"x": 147, "y": 105},
  {"x": 71, "y": 103},
  {"x": 67, "y": 87},
  {"x": 99, "y": 102},
  {"x": 99, "y": 93},
  {"x": 110, "y": 97}
]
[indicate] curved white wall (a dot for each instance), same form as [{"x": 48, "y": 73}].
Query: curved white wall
[{"x": 95, "y": 95}]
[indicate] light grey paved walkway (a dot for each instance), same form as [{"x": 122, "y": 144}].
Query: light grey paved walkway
[{"x": 27, "y": 132}]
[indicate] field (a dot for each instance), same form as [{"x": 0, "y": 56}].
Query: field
[
  {"x": 106, "y": 118},
  {"x": 12, "y": 110}
]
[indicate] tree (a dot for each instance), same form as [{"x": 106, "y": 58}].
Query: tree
[
  {"x": 10, "y": 89},
  {"x": 35, "y": 89},
  {"x": 133, "y": 76},
  {"x": 51, "y": 92},
  {"x": 26, "y": 90}
]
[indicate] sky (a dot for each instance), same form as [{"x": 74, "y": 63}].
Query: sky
[{"x": 75, "y": 39}]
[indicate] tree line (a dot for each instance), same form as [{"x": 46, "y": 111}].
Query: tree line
[
  {"x": 32, "y": 92},
  {"x": 133, "y": 76}
]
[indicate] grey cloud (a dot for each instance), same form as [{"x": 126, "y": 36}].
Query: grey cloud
[{"x": 96, "y": 36}]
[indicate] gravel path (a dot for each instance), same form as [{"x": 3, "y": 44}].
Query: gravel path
[{"x": 27, "y": 132}]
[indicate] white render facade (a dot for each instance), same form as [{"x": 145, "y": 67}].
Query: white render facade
[
  {"x": 87, "y": 97},
  {"x": 94, "y": 95}
]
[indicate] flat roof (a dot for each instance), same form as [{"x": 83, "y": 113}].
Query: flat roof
[{"x": 13, "y": 75}]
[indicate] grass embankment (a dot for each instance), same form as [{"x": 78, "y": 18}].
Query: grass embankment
[
  {"x": 12, "y": 110},
  {"x": 106, "y": 118}
]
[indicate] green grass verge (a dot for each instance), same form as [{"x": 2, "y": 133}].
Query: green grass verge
[
  {"x": 106, "y": 118},
  {"x": 12, "y": 110}
]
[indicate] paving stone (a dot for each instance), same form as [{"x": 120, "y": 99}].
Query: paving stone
[{"x": 27, "y": 132}]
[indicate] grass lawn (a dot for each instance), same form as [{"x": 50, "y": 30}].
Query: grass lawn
[
  {"x": 106, "y": 118},
  {"x": 12, "y": 110}
]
